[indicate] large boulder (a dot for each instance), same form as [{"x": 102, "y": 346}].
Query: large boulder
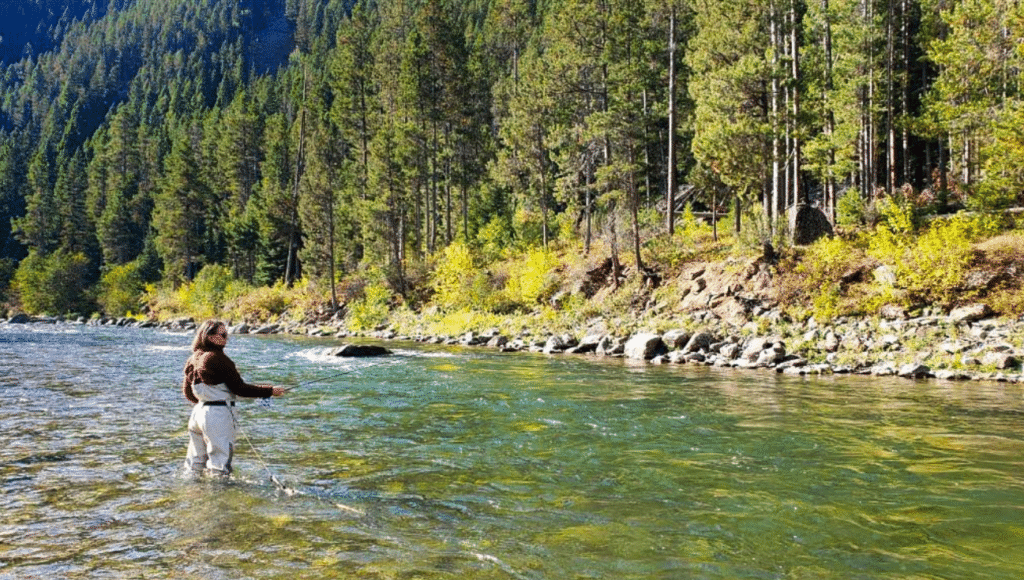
[
  {"x": 644, "y": 346},
  {"x": 732, "y": 311},
  {"x": 970, "y": 313},
  {"x": 610, "y": 345},
  {"x": 808, "y": 224},
  {"x": 267, "y": 329},
  {"x": 554, "y": 344},
  {"x": 914, "y": 371},
  {"x": 675, "y": 339},
  {"x": 20, "y": 318},
  {"x": 497, "y": 341},
  {"x": 359, "y": 350},
  {"x": 700, "y": 341},
  {"x": 589, "y": 343}
]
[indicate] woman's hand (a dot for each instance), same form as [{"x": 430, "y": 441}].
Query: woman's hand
[{"x": 278, "y": 391}]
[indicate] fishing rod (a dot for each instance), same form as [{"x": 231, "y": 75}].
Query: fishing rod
[{"x": 331, "y": 377}]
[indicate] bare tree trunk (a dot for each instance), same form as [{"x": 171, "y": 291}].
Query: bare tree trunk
[
  {"x": 670, "y": 194},
  {"x": 449, "y": 230},
  {"x": 330, "y": 249},
  {"x": 777, "y": 191},
  {"x": 291, "y": 264},
  {"x": 543, "y": 184},
  {"x": 905, "y": 93},
  {"x": 794, "y": 25},
  {"x": 943, "y": 161},
  {"x": 589, "y": 208},
  {"x": 830, "y": 180},
  {"x": 890, "y": 105}
]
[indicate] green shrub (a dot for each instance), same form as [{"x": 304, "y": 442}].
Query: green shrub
[
  {"x": 120, "y": 289},
  {"x": 261, "y": 304},
  {"x": 930, "y": 266},
  {"x": 532, "y": 278},
  {"x": 494, "y": 239},
  {"x": 454, "y": 267},
  {"x": 206, "y": 295},
  {"x": 851, "y": 209},
  {"x": 53, "y": 284},
  {"x": 371, "y": 310}
]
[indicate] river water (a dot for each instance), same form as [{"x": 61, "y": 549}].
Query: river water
[{"x": 460, "y": 464}]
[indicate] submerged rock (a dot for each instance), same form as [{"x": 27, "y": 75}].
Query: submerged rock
[{"x": 359, "y": 350}]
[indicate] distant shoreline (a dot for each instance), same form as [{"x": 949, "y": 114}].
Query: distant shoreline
[{"x": 961, "y": 346}]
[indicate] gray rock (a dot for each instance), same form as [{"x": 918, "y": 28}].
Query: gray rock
[
  {"x": 982, "y": 280},
  {"x": 772, "y": 356},
  {"x": 20, "y": 318},
  {"x": 794, "y": 362},
  {"x": 831, "y": 342},
  {"x": 952, "y": 347},
  {"x": 676, "y": 357},
  {"x": 610, "y": 345},
  {"x": 970, "y": 313},
  {"x": 700, "y": 341},
  {"x": 890, "y": 342},
  {"x": 497, "y": 341},
  {"x": 267, "y": 329},
  {"x": 970, "y": 361},
  {"x": 883, "y": 369},
  {"x": 754, "y": 347},
  {"x": 554, "y": 344},
  {"x": 885, "y": 275},
  {"x": 589, "y": 343},
  {"x": 1000, "y": 360},
  {"x": 914, "y": 371},
  {"x": 729, "y": 351},
  {"x": 674, "y": 339},
  {"x": 893, "y": 312},
  {"x": 644, "y": 346}
]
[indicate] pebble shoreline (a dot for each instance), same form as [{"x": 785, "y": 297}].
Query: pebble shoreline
[{"x": 969, "y": 344}]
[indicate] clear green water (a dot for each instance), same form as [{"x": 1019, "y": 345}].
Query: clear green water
[{"x": 448, "y": 463}]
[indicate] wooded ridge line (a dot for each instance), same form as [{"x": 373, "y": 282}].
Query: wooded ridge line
[{"x": 348, "y": 144}]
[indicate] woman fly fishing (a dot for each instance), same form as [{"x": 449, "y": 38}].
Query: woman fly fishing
[{"x": 212, "y": 383}]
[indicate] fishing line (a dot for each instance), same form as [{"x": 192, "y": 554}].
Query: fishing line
[
  {"x": 290, "y": 491},
  {"x": 332, "y": 376}
]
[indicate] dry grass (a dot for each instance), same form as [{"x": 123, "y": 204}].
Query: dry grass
[
  {"x": 1004, "y": 253},
  {"x": 1004, "y": 249}
]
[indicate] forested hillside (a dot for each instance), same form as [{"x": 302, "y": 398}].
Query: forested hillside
[{"x": 144, "y": 140}]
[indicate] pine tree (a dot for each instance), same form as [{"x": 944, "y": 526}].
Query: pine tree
[
  {"x": 729, "y": 86},
  {"x": 181, "y": 216},
  {"x": 40, "y": 228}
]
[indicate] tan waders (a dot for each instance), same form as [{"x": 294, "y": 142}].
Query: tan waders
[{"x": 211, "y": 430}]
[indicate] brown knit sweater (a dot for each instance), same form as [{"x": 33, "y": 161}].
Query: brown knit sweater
[{"x": 213, "y": 367}]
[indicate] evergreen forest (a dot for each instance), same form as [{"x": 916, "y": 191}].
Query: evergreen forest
[{"x": 358, "y": 144}]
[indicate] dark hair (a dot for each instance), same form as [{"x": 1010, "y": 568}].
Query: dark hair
[{"x": 202, "y": 339}]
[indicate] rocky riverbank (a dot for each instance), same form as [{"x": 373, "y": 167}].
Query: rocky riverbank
[{"x": 965, "y": 344}]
